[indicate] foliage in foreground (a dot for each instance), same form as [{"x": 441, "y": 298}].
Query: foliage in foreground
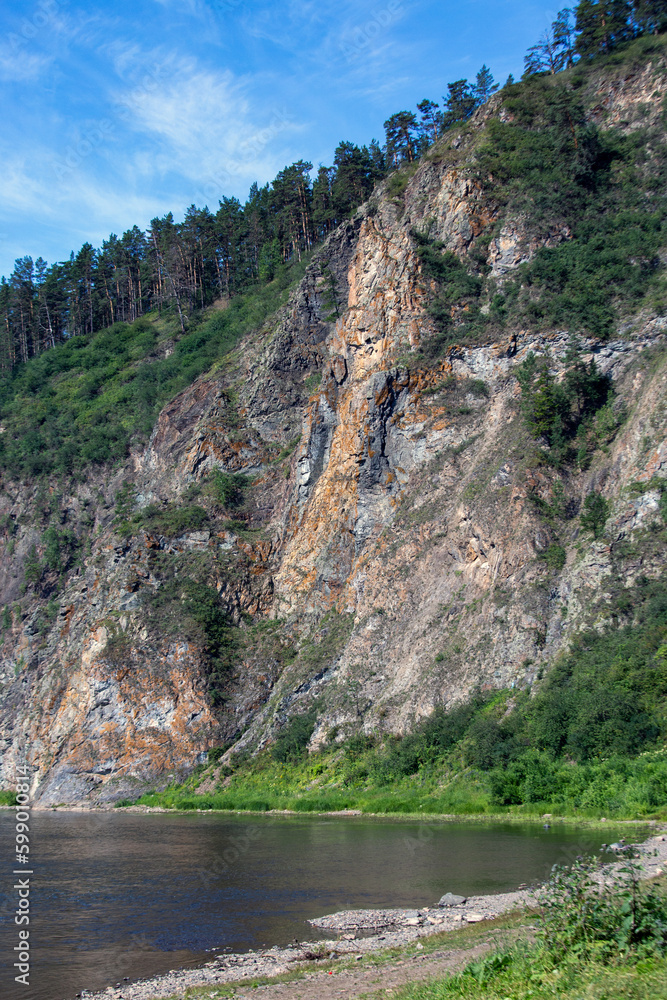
[
  {"x": 597, "y": 942},
  {"x": 523, "y": 974}
]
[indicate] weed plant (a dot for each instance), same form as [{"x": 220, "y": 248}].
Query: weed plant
[{"x": 594, "y": 942}]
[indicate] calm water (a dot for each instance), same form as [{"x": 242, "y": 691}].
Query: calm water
[{"x": 134, "y": 895}]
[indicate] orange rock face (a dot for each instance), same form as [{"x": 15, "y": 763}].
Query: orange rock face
[{"x": 390, "y": 552}]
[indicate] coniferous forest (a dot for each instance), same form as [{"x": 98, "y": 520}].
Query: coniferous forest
[{"x": 217, "y": 254}]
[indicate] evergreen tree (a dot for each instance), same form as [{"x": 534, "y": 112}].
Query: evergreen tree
[
  {"x": 459, "y": 103},
  {"x": 602, "y": 25},
  {"x": 22, "y": 307},
  {"x": 484, "y": 86},
  {"x": 291, "y": 197},
  {"x": 649, "y": 16},
  {"x": 324, "y": 215},
  {"x": 555, "y": 49},
  {"x": 401, "y": 131},
  {"x": 352, "y": 181},
  {"x": 431, "y": 121},
  {"x": 564, "y": 37},
  {"x": 595, "y": 513},
  {"x": 585, "y": 386},
  {"x": 377, "y": 161}
]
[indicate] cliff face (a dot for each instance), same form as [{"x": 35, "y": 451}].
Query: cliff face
[{"x": 394, "y": 552}]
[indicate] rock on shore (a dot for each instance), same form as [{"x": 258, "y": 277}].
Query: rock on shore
[{"x": 357, "y": 932}]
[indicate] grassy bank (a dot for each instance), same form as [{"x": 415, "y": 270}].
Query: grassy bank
[
  {"x": 591, "y": 941},
  {"x": 521, "y": 973},
  {"x": 615, "y": 789},
  {"x": 589, "y": 741}
]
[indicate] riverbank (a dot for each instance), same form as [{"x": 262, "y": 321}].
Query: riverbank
[
  {"x": 390, "y": 938},
  {"x": 510, "y": 818},
  {"x": 350, "y": 778}
]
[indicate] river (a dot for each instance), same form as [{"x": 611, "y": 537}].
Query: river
[{"x": 118, "y": 895}]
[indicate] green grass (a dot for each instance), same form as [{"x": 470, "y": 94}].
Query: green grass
[
  {"x": 519, "y": 975},
  {"x": 590, "y": 742},
  {"x": 87, "y": 400},
  {"x": 618, "y": 789},
  {"x": 7, "y": 798}
]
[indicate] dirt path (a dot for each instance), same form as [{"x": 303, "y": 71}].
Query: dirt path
[{"x": 349, "y": 983}]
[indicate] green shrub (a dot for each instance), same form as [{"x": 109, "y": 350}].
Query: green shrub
[
  {"x": 573, "y": 408},
  {"x": 294, "y": 737},
  {"x": 583, "y": 919},
  {"x": 454, "y": 307},
  {"x": 555, "y": 556},
  {"x": 229, "y": 489},
  {"x": 188, "y": 608},
  {"x": 594, "y": 514},
  {"x": 6, "y": 623},
  {"x": 477, "y": 387},
  {"x": 33, "y": 569},
  {"x": 549, "y": 164},
  {"x": 172, "y": 520}
]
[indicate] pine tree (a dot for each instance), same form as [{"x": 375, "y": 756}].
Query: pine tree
[
  {"x": 595, "y": 513},
  {"x": 401, "y": 131},
  {"x": 377, "y": 161},
  {"x": 484, "y": 86},
  {"x": 602, "y": 25},
  {"x": 431, "y": 120},
  {"x": 324, "y": 216},
  {"x": 459, "y": 103},
  {"x": 650, "y": 16},
  {"x": 564, "y": 38},
  {"x": 353, "y": 180},
  {"x": 22, "y": 307},
  {"x": 555, "y": 49}
]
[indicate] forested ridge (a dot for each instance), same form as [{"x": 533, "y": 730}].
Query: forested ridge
[
  {"x": 504, "y": 342},
  {"x": 183, "y": 267},
  {"x": 131, "y": 322}
]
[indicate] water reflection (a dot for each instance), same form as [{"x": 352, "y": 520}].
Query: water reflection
[{"x": 118, "y": 895}]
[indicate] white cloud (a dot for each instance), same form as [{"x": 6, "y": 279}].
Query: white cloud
[
  {"x": 207, "y": 128},
  {"x": 41, "y": 184},
  {"x": 17, "y": 66}
]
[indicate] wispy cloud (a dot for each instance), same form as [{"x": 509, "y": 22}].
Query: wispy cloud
[
  {"x": 28, "y": 187},
  {"x": 18, "y": 67},
  {"x": 204, "y": 121},
  {"x": 115, "y": 113}
]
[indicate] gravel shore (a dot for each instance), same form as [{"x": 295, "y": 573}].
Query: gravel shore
[{"x": 354, "y": 933}]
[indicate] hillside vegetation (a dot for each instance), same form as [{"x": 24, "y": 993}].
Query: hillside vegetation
[
  {"x": 403, "y": 555},
  {"x": 88, "y": 398},
  {"x": 86, "y": 401},
  {"x": 589, "y": 742}
]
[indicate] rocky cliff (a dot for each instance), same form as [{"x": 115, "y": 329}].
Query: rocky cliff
[{"x": 391, "y": 552}]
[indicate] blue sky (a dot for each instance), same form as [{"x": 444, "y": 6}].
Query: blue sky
[{"x": 116, "y": 113}]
